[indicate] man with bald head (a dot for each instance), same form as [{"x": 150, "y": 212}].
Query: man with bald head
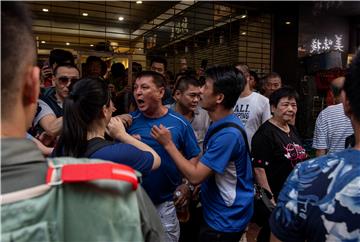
[{"x": 332, "y": 125}]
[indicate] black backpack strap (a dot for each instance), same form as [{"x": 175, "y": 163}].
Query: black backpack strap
[
  {"x": 225, "y": 125},
  {"x": 94, "y": 145}
]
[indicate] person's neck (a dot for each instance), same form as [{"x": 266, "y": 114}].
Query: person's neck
[
  {"x": 157, "y": 113},
  {"x": 219, "y": 113},
  {"x": 59, "y": 98},
  {"x": 14, "y": 125},
  {"x": 283, "y": 125},
  {"x": 97, "y": 129},
  {"x": 188, "y": 114},
  {"x": 12, "y": 131},
  {"x": 247, "y": 91}
]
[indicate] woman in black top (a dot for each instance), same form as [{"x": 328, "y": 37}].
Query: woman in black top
[{"x": 276, "y": 147}]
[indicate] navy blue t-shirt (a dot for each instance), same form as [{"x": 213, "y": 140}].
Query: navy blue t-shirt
[
  {"x": 126, "y": 154},
  {"x": 161, "y": 183}
]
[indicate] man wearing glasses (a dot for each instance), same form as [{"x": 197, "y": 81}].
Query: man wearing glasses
[{"x": 50, "y": 111}]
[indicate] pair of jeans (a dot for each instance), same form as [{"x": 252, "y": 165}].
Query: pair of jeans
[
  {"x": 169, "y": 220},
  {"x": 208, "y": 234}
]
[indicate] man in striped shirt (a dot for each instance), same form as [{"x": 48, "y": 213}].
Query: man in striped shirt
[{"x": 332, "y": 125}]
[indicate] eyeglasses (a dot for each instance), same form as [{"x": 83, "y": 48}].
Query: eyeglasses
[{"x": 64, "y": 80}]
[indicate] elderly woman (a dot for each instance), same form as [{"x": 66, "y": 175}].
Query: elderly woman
[{"x": 276, "y": 147}]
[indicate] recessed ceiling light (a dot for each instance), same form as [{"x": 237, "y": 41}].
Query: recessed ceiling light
[
  {"x": 243, "y": 33},
  {"x": 43, "y": 42},
  {"x": 138, "y": 2},
  {"x": 243, "y": 16},
  {"x": 85, "y": 14},
  {"x": 287, "y": 22},
  {"x": 91, "y": 45},
  {"x": 67, "y": 43},
  {"x": 121, "y": 18},
  {"x": 45, "y": 10}
]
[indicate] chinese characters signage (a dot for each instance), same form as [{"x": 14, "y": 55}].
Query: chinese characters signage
[{"x": 327, "y": 44}]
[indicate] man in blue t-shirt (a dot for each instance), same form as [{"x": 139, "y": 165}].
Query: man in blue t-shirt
[
  {"x": 160, "y": 185},
  {"x": 320, "y": 200},
  {"x": 224, "y": 170}
]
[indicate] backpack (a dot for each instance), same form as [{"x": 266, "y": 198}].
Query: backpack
[{"x": 83, "y": 200}]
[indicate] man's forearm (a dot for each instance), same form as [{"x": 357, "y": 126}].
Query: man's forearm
[
  {"x": 187, "y": 168},
  {"x": 320, "y": 152}
]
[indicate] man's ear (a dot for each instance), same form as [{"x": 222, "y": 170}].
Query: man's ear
[
  {"x": 161, "y": 92},
  {"x": 177, "y": 95},
  {"x": 31, "y": 88},
  {"x": 220, "y": 98}
]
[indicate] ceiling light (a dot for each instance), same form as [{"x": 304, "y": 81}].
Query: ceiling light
[
  {"x": 92, "y": 45},
  {"x": 121, "y": 18},
  {"x": 43, "y": 42},
  {"x": 45, "y": 10},
  {"x": 243, "y": 16},
  {"x": 85, "y": 14},
  {"x": 287, "y": 22},
  {"x": 67, "y": 43},
  {"x": 243, "y": 33},
  {"x": 138, "y": 2}
]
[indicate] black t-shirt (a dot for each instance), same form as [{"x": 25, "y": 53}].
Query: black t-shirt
[{"x": 277, "y": 152}]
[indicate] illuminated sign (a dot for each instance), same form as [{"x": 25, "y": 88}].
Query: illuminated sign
[
  {"x": 179, "y": 28},
  {"x": 336, "y": 43}
]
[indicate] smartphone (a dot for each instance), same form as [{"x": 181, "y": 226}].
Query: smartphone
[{"x": 204, "y": 63}]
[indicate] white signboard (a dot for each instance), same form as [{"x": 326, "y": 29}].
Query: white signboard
[{"x": 326, "y": 44}]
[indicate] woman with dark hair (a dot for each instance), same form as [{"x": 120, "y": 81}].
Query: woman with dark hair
[
  {"x": 87, "y": 116},
  {"x": 276, "y": 147}
]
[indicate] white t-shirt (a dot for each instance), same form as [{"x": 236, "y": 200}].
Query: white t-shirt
[
  {"x": 45, "y": 110},
  {"x": 331, "y": 129},
  {"x": 253, "y": 111}
]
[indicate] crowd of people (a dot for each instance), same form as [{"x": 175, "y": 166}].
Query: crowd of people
[{"x": 200, "y": 140}]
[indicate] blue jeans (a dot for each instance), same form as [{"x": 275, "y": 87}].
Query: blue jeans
[{"x": 169, "y": 220}]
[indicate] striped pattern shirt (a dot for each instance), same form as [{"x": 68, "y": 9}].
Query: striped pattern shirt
[{"x": 331, "y": 129}]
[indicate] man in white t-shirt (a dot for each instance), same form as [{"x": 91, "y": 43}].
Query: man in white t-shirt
[{"x": 252, "y": 108}]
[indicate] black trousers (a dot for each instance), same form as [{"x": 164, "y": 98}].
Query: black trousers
[{"x": 208, "y": 234}]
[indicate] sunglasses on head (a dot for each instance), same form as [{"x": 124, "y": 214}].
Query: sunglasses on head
[{"x": 64, "y": 80}]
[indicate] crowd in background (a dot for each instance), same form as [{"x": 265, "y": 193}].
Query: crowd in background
[{"x": 200, "y": 138}]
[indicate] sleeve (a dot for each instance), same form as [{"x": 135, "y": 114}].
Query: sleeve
[
  {"x": 44, "y": 110},
  {"x": 220, "y": 150},
  {"x": 127, "y": 154},
  {"x": 285, "y": 222},
  {"x": 320, "y": 133},
  {"x": 261, "y": 149},
  {"x": 190, "y": 145},
  {"x": 266, "y": 114}
]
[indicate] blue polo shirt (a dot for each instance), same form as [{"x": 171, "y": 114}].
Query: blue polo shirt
[
  {"x": 161, "y": 183},
  {"x": 227, "y": 196}
]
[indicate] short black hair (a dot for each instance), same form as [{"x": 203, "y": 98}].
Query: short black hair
[
  {"x": 60, "y": 56},
  {"x": 18, "y": 50},
  {"x": 183, "y": 83},
  {"x": 282, "y": 92},
  {"x": 117, "y": 70},
  {"x": 272, "y": 75},
  {"x": 352, "y": 86},
  {"x": 68, "y": 65},
  {"x": 227, "y": 80},
  {"x": 158, "y": 79},
  {"x": 159, "y": 59}
]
